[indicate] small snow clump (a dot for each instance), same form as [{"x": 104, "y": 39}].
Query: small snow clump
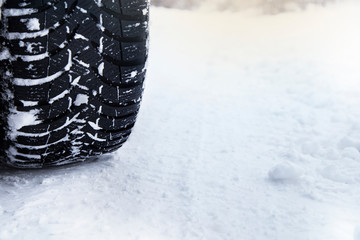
[
  {"x": 81, "y": 99},
  {"x": 32, "y": 24},
  {"x": 285, "y": 172}
]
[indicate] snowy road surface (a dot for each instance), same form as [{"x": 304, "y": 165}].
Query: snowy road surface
[{"x": 249, "y": 129}]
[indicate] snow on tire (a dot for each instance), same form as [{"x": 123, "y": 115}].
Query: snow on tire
[{"x": 72, "y": 78}]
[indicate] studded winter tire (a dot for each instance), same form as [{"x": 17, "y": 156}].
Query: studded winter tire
[{"x": 72, "y": 74}]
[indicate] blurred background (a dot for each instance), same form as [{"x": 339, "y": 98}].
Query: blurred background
[{"x": 268, "y": 6}]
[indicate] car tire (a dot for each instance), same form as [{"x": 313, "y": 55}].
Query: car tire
[{"x": 72, "y": 78}]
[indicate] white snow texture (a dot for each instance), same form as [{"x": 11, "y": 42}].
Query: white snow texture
[{"x": 249, "y": 130}]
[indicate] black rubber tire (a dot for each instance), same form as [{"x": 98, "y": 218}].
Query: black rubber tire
[{"x": 72, "y": 78}]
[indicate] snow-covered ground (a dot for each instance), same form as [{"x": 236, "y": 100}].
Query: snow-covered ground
[{"x": 249, "y": 129}]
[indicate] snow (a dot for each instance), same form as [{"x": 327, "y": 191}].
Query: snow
[
  {"x": 26, "y": 35},
  {"x": 29, "y": 103},
  {"x": 95, "y": 125},
  {"x": 4, "y": 54},
  {"x": 58, "y": 97},
  {"x": 101, "y": 46},
  {"x": 81, "y": 99},
  {"x": 357, "y": 233},
  {"x": 32, "y": 24},
  {"x": 99, "y": 3},
  {"x": 81, "y": 9},
  {"x": 84, "y": 64},
  {"x": 30, "y": 46},
  {"x": 249, "y": 129},
  {"x": 96, "y": 138},
  {"x": 17, "y": 120},
  {"x": 101, "y": 68},
  {"x": 133, "y": 74},
  {"x": 13, "y": 12},
  {"x": 13, "y": 152},
  {"x": 31, "y": 58},
  {"x": 79, "y": 36},
  {"x": 100, "y": 24}
]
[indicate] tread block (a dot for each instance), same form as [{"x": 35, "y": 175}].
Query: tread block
[
  {"x": 32, "y": 93},
  {"x": 59, "y": 62},
  {"x": 133, "y": 74},
  {"x": 45, "y": 127},
  {"x": 60, "y": 89},
  {"x": 119, "y": 95},
  {"x": 42, "y": 140},
  {"x": 112, "y": 24},
  {"x": 60, "y": 12},
  {"x": 61, "y": 35},
  {"x": 113, "y": 110},
  {"x": 114, "y": 124},
  {"x": 56, "y": 109},
  {"x": 134, "y": 7},
  {"x": 111, "y": 72},
  {"x": 112, "y": 48},
  {"x": 134, "y": 51},
  {"x": 33, "y": 69},
  {"x": 32, "y": 23},
  {"x": 134, "y": 28},
  {"x": 31, "y": 46},
  {"x": 114, "y": 5}
]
